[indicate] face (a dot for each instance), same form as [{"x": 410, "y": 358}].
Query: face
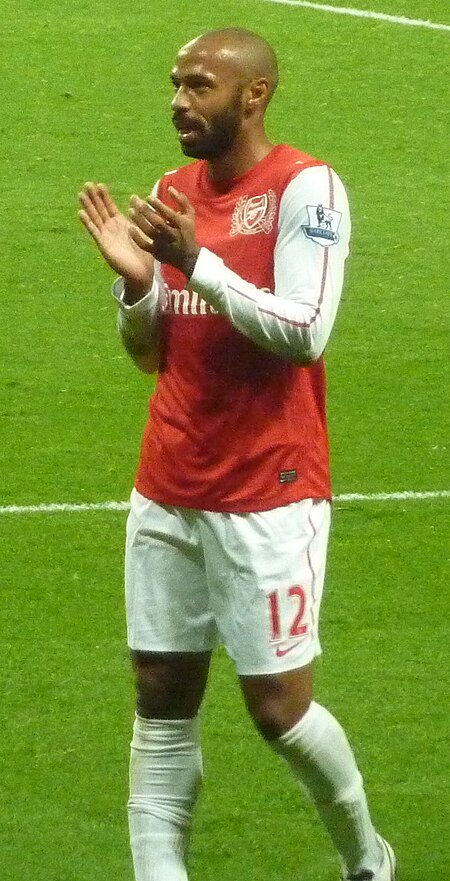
[{"x": 207, "y": 107}]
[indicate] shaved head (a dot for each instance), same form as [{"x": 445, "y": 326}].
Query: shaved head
[
  {"x": 251, "y": 55},
  {"x": 224, "y": 80}
]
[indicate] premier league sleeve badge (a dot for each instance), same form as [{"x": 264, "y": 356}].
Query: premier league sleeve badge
[{"x": 323, "y": 225}]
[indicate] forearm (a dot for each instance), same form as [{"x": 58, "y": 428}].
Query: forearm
[
  {"x": 294, "y": 329},
  {"x": 139, "y": 324}
]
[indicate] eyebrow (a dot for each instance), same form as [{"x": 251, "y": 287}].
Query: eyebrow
[{"x": 192, "y": 79}]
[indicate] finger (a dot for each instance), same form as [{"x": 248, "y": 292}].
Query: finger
[
  {"x": 90, "y": 208},
  {"x": 143, "y": 241},
  {"x": 139, "y": 220},
  {"x": 90, "y": 226},
  {"x": 105, "y": 196},
  {"x": 96, "y": 199},
  {"x": 151, "y": 230},
  {"x": 149, "y": 221},
  {"x": 183, "y": 201},
  {"x": 163, "y": 210},
  {"x": 141, "y": 209}
]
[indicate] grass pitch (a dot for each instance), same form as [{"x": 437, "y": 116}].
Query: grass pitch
[{"x": 85, "y": 95}]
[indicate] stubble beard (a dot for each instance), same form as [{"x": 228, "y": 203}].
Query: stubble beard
[{"x": 220, "y": 135}]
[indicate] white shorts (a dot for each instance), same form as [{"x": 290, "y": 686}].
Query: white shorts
[{"x": 251, "y": 581}]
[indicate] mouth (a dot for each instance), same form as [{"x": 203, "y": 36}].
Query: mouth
[
  {"x": 186, "y": 129},
  {"x": 186, "y": 136}
]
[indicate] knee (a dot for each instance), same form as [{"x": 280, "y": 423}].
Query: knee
[
  {"x": 276, "y": 704},
  {"x": 156, "y": 694},
  {"x": 273, "y": 718},
  {"x": 167, "y": 686}
]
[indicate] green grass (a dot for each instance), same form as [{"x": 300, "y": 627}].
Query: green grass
[{"x": 84, "y": 95}]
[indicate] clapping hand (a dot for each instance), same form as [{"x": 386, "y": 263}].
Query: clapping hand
[
  {"x": 111, "y": 231},
  {"x": 166, "y": 234}
]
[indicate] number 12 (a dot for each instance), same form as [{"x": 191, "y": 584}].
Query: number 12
[{"x": 298, "y": 628}]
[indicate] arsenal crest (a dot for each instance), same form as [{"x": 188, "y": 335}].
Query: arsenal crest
[{"x": 254, "y": 215}]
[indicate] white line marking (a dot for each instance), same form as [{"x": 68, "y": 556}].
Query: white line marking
[
  {"x": 65, "y": 508},
  {"x": 365, "y": 13},
  {"x": 405, "y": 496},
  {"x": 75, "y": 508}
]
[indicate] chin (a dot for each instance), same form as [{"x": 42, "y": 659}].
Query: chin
[
  {"x": 204, "y": 150},
  {"x": 193, "y": 152},
  {"x": 198, "y": 151}
]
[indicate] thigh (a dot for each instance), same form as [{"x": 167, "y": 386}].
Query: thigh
[
  {"x": 165, "y": 582},
  {"x": 266, "y": 573}
]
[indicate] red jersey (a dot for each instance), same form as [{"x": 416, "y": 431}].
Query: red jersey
[{"x": 235, "y": 424}]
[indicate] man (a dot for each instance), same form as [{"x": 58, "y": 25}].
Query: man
[{"x": 229, "y": 287}]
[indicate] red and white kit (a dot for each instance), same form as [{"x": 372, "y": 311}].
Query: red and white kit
[
  {"x": 237, "y": 422},
  {"x": 229, "y": 520}
]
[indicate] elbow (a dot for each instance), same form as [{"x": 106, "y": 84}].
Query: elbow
[
  {"x": 147, "y": 364},
  {"x": 315, "y": 354},
  {"x": 146, "y": 359},
  {"x": 310, "y": 351},
  {"x": 307, "y": 359}
]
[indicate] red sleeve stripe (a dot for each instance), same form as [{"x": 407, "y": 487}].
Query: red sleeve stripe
[
  {"x": 322, "y": 283},
  {"x": 282, "y": 318},
  {"x": 313, "y": 573},
  {"x": 331, "y": 186}
]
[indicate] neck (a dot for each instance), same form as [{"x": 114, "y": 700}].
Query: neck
[{"x": 240, "y": 158}]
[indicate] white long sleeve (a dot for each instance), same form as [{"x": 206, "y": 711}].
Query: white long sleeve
[
  {"x": 137, "y": 321},
  {"x": 295, "y": 320}
]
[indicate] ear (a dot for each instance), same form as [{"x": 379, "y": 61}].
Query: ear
[{"x": 258, "y": 96}]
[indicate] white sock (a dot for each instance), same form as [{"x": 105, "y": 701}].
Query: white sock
[
  {"x": 320, "y": 756},
  {"x": 165, "y": 777}
]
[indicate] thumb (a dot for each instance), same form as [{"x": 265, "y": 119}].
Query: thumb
[{"x": 182, "y": 200}]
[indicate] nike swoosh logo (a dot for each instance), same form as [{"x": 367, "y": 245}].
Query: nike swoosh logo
[{"x": 282, "y": 652}]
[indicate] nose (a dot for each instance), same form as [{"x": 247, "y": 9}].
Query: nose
[{"x": 180, "y": 100}]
